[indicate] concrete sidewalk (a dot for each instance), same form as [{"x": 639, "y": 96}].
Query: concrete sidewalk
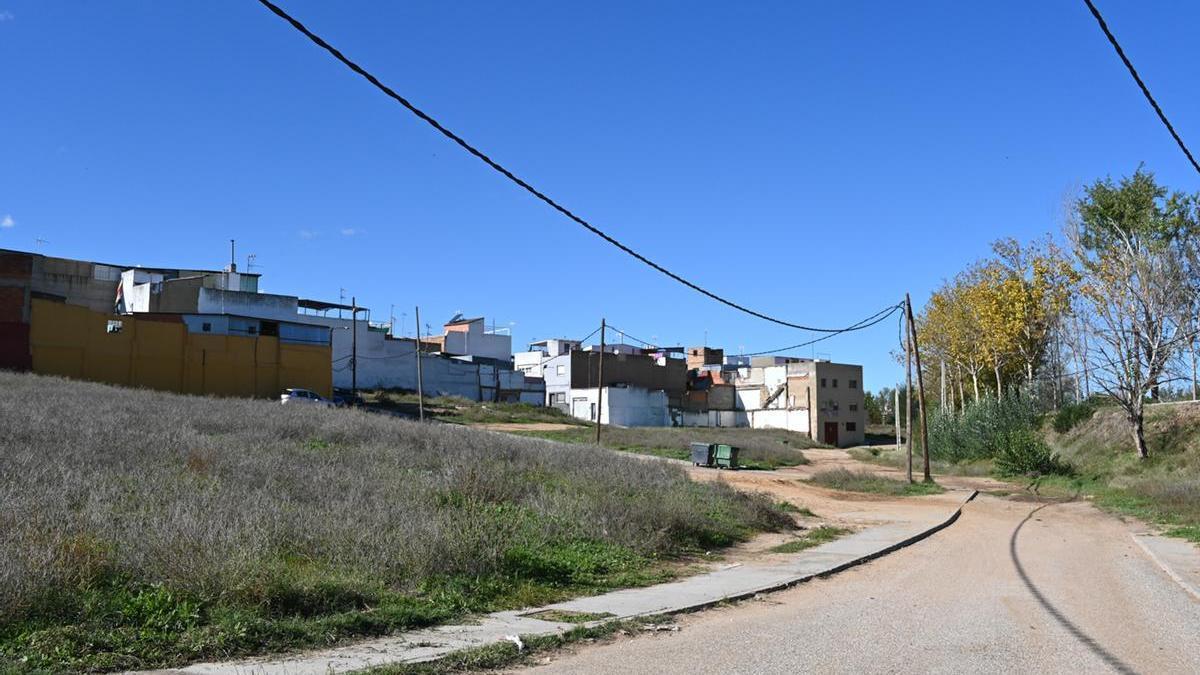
[
  {"x": 1180, "y": 559},
  {"x": 733, "y": 582}
]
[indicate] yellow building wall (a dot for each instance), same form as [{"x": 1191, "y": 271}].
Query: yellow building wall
[{"x": 74, "y": 341}]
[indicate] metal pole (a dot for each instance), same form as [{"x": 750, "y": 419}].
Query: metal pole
[
  {"x": 420, "y": 389},
  {"x": 600, "y": 385},
  {"x": 353, "y": 348},
  {"x": 912, "y": 329},
  {"x": 908, "y": 399}
]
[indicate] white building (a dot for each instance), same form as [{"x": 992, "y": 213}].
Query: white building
[
  {"x": 622, "y": 406},
  {"x": 532, "y": 361},
  {"x": 471, "y": 337}
]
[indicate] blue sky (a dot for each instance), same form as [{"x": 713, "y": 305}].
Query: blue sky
[{"x": 811, "y": 160}]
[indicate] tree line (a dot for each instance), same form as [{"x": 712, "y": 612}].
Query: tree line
[{"x": 1111, "y": 311}]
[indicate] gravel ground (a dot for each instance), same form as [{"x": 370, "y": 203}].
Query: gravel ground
[{"x": 1011, "y": 587}]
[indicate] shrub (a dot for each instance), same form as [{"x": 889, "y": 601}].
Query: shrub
[
  {"x": 978, "y": 431},
  {"x": 1073, "y": 414},
  {"x": 1021, "y": 452}
]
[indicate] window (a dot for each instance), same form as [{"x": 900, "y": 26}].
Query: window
[
  {"x": 835, "y": 383},
  {"x": 253, "y": 330},
  {"x": 822, "y": 383},
  {"x": 853, "y": 384},
  {"x": 851, "y": 426},
  {"x": 853, "y": 407},
  {"x": 206, "y": 327},
  {"x": 560, "y": 370},
  {"x": 270, "y": 328}
]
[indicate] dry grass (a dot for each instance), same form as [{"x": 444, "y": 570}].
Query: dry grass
[
  {"x": 760, "y": 448},
  {"x": 141, "y": 528},
  {"x": 865, "y": 481},
  {"x": 466, "y": 411}
]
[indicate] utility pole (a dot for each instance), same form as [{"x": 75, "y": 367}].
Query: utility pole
[
  {"x": 600, "y": 386},
  {"x": 912, "y": 330},
  {"x": 812, "y": 420},
  {"x": 353, "y": 348},
  {"x": 420, "y": 389},
  {"x": 232, "y": 256},
  {"x": 908, "y": 397},
  {"x": 896, "y": 414}
]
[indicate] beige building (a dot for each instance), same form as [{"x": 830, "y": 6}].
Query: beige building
[
  {"x": 840, "y": 414},
  {"x": 821, "y": 398}
]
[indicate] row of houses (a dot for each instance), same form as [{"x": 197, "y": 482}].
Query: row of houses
[
  {"x": 214, "y": 332},
  {"x": 701, "y": 387}
]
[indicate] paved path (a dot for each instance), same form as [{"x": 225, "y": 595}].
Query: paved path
[{"x": 1011, "y": 587}]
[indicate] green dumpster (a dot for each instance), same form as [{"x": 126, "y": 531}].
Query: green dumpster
[{"x": 726, "y": 456}]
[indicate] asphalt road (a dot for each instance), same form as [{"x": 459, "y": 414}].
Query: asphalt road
[{"x": 1011, "y": 587}]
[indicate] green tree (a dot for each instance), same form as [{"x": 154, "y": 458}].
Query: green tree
[{"x": 1136, "y": 245}]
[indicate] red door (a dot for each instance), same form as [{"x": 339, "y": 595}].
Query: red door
[{"x": 831, "y": 429}]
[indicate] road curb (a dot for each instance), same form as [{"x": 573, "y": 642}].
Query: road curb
[
  {"x": 1183, "y": 581},
  {"x": 773, "y": 588}
]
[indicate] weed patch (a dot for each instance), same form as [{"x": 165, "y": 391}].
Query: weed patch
[
  {"x": 810, "y": 539},
  {"x": 865, "y": 481}
]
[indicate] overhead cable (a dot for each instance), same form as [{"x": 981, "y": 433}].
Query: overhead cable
[
  {"x": 333, "y": 51},
  {"x": 1141, "y": 85}
]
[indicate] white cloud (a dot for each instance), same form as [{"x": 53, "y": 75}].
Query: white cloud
[
  {"x": 350, "y": 231},
  {"x": 8, "y": 221},
  {"x": 307, "y": 233},
  {"x": 6, "y": 15}
]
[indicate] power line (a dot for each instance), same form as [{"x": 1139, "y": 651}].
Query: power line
[
  {"x": 1142, "y": 85},
  {"x": 588, "y": 336},
  {"x": 868, "y": 322},
  {"x": 872, "y": 320},
  {"x": 524, "y": 185},
  {"x": 631, "y": 337}
]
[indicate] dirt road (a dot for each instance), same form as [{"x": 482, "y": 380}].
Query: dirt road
[{"x": 1012, "y": 586}]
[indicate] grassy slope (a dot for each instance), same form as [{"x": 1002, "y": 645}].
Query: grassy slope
[
  {"x": 760, "y": 448},
  {"x": 465, "y": 411},
  {"x": 141, "y": 529},
  {"x": 1164, "y": 489}
]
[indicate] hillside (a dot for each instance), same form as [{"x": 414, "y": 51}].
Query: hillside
[
  {"x": 1164, "y": 488},
  {"x": 142, "y": 529}
]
